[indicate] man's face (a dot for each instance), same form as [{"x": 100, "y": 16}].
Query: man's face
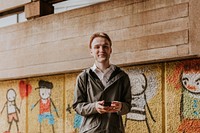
[{"x": 100, "y": 49}]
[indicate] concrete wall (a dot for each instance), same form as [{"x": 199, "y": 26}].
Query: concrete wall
[
  {"x": 55, "y": 48},
  {"x": 5, "y": 5},
  {"x": 142, "y": 32},
  {"x": 170, "y": 101}
]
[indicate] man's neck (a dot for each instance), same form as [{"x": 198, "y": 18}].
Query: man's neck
[{"x": 102, "y": 66}]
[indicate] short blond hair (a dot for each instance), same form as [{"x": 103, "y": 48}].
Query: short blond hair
[{"x": 99, "y": 34}]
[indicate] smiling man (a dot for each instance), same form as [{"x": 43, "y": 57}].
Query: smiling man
[{"x": 102, "y": 93}]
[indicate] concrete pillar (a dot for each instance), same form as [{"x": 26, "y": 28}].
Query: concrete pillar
[
  {"x": 37, "y": 9},
  {"x": 194, "y": 25}
]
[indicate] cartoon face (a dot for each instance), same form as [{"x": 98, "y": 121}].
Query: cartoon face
[
  {"x": 11, "y": 95},
  {"x": 138, "y": 84},
  {"x": 191, "y": 82},
  {"x": 45, "y": 93}
]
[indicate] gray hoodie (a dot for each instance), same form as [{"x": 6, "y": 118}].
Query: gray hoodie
[{"x": 89, "y": 90}]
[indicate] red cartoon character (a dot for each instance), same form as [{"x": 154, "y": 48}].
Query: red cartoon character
[{"x": 45, "y": 102}]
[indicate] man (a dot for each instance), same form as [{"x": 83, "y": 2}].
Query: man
[{"x": 102, "y": 92}]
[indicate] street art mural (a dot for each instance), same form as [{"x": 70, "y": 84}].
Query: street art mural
[
  {"x": 139, "y": 100},
  {"x": 164, "y": 95},
  {"x": 25, "y": 89},
  {"x": 19, "y": 105},
  {"x": 45, "y": 104},
  {"x": 145, "y": 85},
  {"x": 77, "y": 121},
  {"x": 73, "y": 120},
  {"x": 12, "y": 109},
  {"x": 77, "y": 118},
  {"x": 185, "y": 77}
]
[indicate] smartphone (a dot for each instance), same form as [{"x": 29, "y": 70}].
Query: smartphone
[{"x": 107, "y": 104}]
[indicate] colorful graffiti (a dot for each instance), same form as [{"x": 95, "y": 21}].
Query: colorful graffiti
[
  {"x": 170, "y": 90},
  {"x": 144, "y": 86},
  {"x": 139, "y": 100},
  {"x": 77, "y": 120},
  {"x": 45, "y": 102},
  {"x": 24, "y": 90},
  {"x": 187, "y": 73},
  {"x": 15, "y": 112},
  {"x": 12, "y": 109}
]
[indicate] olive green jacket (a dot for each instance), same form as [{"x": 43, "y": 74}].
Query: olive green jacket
[{"x": 89, "y": 90}]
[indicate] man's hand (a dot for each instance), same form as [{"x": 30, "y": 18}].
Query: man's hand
[
  {"x": 100, "y": 108},
  {"x": 116, "y": 106}
]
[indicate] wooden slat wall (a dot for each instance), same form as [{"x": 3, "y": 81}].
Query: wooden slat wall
[{"x": 141, "y": 32}]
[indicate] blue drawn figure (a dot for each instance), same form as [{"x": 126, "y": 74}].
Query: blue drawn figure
[
  {"x": 45, "y": 103},
  {"x": 139, "y": 100},
  {"x": 77, "y": 120},
  {"x": 12, "y": 109},
  {"x": 190, "y": 99}
]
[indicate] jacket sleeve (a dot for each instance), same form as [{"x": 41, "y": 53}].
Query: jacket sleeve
[
  {"x": 126, "y": 97},
  {"x": 80, "y": 104}
]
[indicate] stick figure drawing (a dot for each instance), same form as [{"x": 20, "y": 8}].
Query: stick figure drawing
[
  {"x": 45, "y": 102},
  {"x": 12, "y": 109},
  {"x": 139, "y": 101}
]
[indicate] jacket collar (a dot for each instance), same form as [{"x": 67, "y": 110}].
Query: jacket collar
[{"x": 117, "y": 74}]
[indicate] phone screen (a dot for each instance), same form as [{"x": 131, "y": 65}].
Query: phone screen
[{"x": 107, "y": 104}]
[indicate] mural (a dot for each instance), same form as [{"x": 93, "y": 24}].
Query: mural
[
  {"x": 45, "y": 102},
  {"x": 162, "y": 94},
  {"x": 77, "y": 118},
  {"x": 77, "y": 121},
  {"x": 45, "y": 105},
  {"x": 139, "y": 100},
  {"x": 12, "y": 109},
  {"x": 73, "y": 120},
  {"x": 186, "y": 77},
  {"x": 24, "y": 90},
  {"x": 145, "y": 84}
]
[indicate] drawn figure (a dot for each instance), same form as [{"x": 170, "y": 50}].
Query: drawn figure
[
  {"x": 45, "y": 102},
  {"x": 139, "y": 100},
  {"x": 190, "y": 99},
  {"x": 69, "y": 108},
  {"x": 77, "y": 118},
  {"x": 24, "y": 90},
  {"x": 12, "y": 109},
  {"x": 77, "y": 121}
]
